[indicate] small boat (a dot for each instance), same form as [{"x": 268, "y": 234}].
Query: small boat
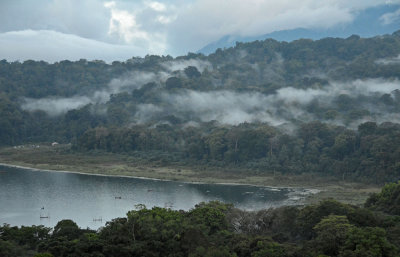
[
  {"x": 118, "y": 197},
  {"x": 168, "y": 205},
  {"x": 42, "y": 215}
]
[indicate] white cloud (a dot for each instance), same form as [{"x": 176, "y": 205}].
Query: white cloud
[
  {"x": 387, "y": 61},
  {"x": 389, "y": 18},
  {"x": 129, "y": 28},
  {"x": 182, "y": 64},
  {"x": 124, "y": 25},
  {"x": 88, "y": 19},
  {"x": 208, "y": 20},
  {"x": 165, "y": 19},
  {"x": 176, "y": 26},
  {"x": 224, "y": 106},
  {"x": 55, "y": 106},
  {"x": 286, "y": 105},
  {"x": 54, "y": 46},
  {"x": 156, "y": 6}
]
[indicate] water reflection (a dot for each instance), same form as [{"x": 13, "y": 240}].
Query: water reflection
[{"x": 26, "y": 195}]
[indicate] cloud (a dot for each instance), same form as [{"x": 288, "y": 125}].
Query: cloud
[
  {"x": 283, "y": 107},
  {"x": 172, "y": 26},
  {"x": 207, "y": 20},
  {"x": 135, "y": 80},
  {"x": 87, "y": 19},
  {"x": 54, "y": 46},
  {"x": 388, "y": 61},
  {"x": 179, "y": 65},
  {"x": 147, "y": 112},
  {"x": 224, "y": 106},
  {"x": 143, "y": 26},
  {"x": 326, "y": 94},
  {"x": 389, "y": 18},
  {"x": 55, "y": 106},
  {"x": 137, "y": 29},
  {"x": 124, "y": 25},
  {"x": 156, "y": 6}
]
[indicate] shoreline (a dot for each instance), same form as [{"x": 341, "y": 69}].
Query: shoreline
[
  {"x": 60, "y": 159},
  {"x": 150, "y": 178},
  {"x": 312, "y": 194},
  {"x": 296, "y": 195}
]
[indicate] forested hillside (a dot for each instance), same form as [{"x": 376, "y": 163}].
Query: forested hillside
[{"x": 330, "y": 106}]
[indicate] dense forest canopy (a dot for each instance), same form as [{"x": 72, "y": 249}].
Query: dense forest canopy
[{"x": 330, "y": 106}]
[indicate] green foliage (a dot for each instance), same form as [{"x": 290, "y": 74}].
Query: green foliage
[
  {"x": 117, "y": 124},
  {"x": 217, "y": 229},
  {"x": 370, "y": 242},
  {"x": 388, "y": 200},
  {"x": 314, "y": 147},
  {"x": 27, "y": 236},
  {"x": 9, "y": 249},
  {"x": 66, "y": 228},
  {"x": 268, "y": 249},
  {"x": 210, "y": 216},
  {"x": 311, "y": 215},
  {"x": 173, "y": 82},
  {"x": 192, "y": 72},
  {"x": 43, "y": 255},
  {"x": 370, "y": 153},
  {"x": 331, "y": 234}
]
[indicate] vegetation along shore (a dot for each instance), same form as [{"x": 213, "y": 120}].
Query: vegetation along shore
[{"x": 60, "y": 158}]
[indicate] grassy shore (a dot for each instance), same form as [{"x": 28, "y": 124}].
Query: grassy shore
[{"x": 61, "y": 158}]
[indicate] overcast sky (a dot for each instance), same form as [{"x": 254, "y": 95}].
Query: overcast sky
[{"x": 54, "y": 30}]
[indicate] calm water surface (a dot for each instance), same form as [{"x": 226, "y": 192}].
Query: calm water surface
[{"x": 27, "y": 195}]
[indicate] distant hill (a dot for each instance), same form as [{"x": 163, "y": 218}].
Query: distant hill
[
  {"x": 329, "y": 106},
  {"x": 368, "y": 23}
]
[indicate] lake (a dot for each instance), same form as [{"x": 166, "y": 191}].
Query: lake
[{"x": 30, "y": 197}]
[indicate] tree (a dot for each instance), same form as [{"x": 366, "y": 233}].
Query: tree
[
  {"x": 68, "y": 229},
  {"x": 173, "y": 82},
  {"x": 311, "y": 215},
  {"x": 192, "y": 72},
  {"x": 269, "y": 249},
  {"x": 367, "y": 128},
  {"x": 331, "y": 234},
  {"x": 367, "y": 242},
  {"x": 43, "y": 255},
  {"x": 388, "y": 200}
]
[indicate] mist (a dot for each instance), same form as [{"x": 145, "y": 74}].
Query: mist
[
  {"x": 55, "y": 106},
  {"x": 287, "y": 105},
  {"x": 178, "y": 65},
  {"x": 389, "y": 61},
  {"x": 130, "y": 81}
]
